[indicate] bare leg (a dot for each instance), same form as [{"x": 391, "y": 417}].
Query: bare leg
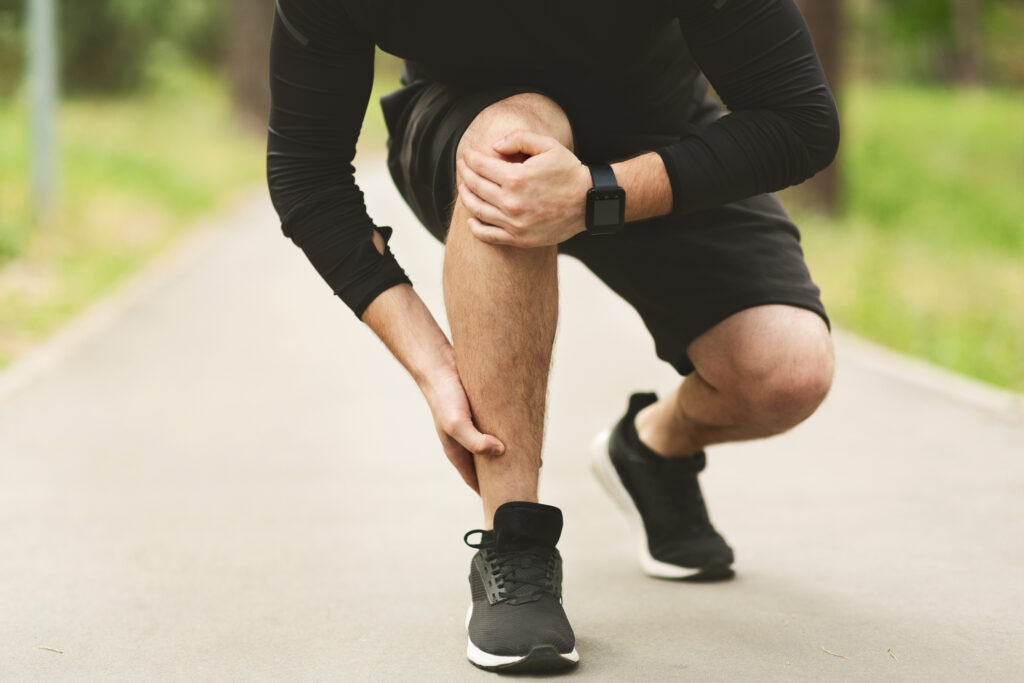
[
  {"x": 759, "y": 372},
  {"x": 502, "y": 305}
]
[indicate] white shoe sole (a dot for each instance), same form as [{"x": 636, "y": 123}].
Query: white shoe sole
[
  {"x": 538, "y": 659},
  {"x": 604, "y": 470}
]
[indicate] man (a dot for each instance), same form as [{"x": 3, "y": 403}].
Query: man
[{"x": 524, "y": 130}]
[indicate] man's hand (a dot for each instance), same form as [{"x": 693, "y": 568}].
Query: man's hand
[
  {"x": 454, "y": 421},
  {"x": 539, "y": 202}
]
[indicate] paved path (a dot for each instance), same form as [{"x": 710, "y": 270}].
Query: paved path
[{"x": 232, "y": 480}]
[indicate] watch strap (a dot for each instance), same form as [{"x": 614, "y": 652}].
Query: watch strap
[{"x": 603, "y": 176}]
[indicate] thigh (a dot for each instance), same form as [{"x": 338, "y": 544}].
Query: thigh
[
  {"x": 764, "y": 347},
  {"x": 685, "y": 275},
  {"x": 426, "y": 120}
]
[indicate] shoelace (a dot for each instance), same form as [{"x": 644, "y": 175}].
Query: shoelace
[{"x": 523, "y": 574}]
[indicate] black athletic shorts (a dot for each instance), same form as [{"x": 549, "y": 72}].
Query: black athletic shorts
[{"x": 683, "y": 275}]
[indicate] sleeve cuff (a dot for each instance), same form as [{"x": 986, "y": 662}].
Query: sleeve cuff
[
  {"x": 377, "y": 288},
  {"x": 674, "y": 179},
  {"x": 367, "y": 274}
]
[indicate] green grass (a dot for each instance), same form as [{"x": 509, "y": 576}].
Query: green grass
[
  {"x": 928, "y": 257},
  {"x": 135, "y": 173}
]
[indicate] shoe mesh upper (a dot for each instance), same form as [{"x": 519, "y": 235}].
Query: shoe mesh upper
[
  {"x": 515, "y": 579},
  {"x": 667, "y": 494}
]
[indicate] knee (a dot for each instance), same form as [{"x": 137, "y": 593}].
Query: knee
[
  {"x": 781, "y": 384},
  {"x": 527, "y": 111},
  {"x": 790, "y": 397}
]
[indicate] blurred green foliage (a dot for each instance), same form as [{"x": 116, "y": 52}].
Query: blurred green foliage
[
  {"x": 921, "y": 40},
  {"x": 940, "y": 162},
  {"x": 928, "y": 257},
  {"x": 109, "y": 46}
]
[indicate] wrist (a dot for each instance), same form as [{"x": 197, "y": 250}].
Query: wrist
[
  {"x": 437, "y": 368},
  {"x": 606, "y": 201},
  {"x": 647, "y": 185},
  {"x": 582, "y": 183}
]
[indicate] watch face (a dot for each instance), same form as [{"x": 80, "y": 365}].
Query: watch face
[{"x": 606, "y": 210}]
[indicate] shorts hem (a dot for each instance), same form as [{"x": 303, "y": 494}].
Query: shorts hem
[{"x": 681, "y": 361}]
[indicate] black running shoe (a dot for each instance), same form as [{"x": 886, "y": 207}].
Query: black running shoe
[
  {"x": 516, "y": 622},
  {"x": 662, "y": 500}
]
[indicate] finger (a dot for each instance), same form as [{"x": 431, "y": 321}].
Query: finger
[
  {"x": 487, "y": 190},
  {"x": 491, "y": 234},
  {"x": 487, "y": 213},
  {"x": 493, "y": 169},
  {"x": 462, "y": 460},
  {"x": 526, "y": 141},
  {"x": 466, "y": 433}
]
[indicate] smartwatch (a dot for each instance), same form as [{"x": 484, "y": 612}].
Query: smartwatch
[{"x": 606, "y": 202}]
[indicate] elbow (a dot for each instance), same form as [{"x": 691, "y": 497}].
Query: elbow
[
  {"x": 821, "y": 136},
  {"x": 287, "y": 176},
  {"x": 283, "y": 200},
  {"x": 274, "y": 197},
  {"x": 273, "y": 186}
]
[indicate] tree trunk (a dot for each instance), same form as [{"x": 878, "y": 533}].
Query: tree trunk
[
  {"x": 248, "y": 57},
  {"x": 825, "y": 19},
  {"x": 967, "y": 30}
]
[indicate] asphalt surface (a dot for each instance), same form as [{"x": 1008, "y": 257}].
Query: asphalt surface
[{"x": 227, "y": 477}]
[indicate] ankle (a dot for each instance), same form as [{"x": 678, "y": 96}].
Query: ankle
[
  {"x": 491, "y": 505},
  {"x": 667, "y": 437}
]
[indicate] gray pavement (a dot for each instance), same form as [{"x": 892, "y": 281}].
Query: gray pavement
[{"x": 231, "y": 479}]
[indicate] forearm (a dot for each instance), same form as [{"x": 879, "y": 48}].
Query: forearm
[
  {"x": 403, "y": 322},
  {"x": 648, "y": 192}
]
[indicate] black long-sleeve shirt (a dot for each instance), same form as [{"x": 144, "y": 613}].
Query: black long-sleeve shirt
[{"x": 627, "y": 66}]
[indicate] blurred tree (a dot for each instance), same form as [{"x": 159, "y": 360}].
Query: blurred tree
[
  {"x": 12, "y": 46},
  {"x": 248, "y": 56},
  {"x": 825, "y": 19},
  {"x": 1003, "y": 47},
  {"x": 921, "y": 34},
  {"x": 966, "y": 41},
  {"x": 106, "y": 46},
  {"x": 967, "y": 30},
  {"x": 103, "y": 48}
]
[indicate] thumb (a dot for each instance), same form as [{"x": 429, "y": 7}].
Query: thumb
[
  {"x": 525, "y": 141},
  {"x": 475, "y": 442}
]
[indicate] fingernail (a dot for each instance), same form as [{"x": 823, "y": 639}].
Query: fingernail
[{"x": 500, "y": 142}]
